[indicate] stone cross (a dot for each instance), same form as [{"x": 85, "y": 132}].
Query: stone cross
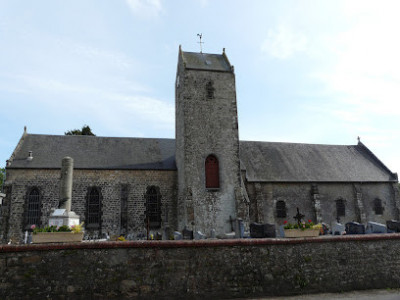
[{"x": 298, "y": 217}]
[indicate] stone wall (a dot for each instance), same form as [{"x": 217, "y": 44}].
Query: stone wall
[
  {"x": 111, "y": 183},
  {"x": 206, "y": 126},
  {"x": 200, "y": 269},
  {"x": 358, "y": 198}
]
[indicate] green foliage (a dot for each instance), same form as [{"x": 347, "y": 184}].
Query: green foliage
[
  {"x": 63, "y": 228},
  {"x": 303, "y": 225},
  {"x": 2, "y": 176},
  {"x": 84, "y": 131}
]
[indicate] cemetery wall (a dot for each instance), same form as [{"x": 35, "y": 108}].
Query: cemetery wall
[
  {"x": 200, "y": 269},
  {"x": 111, "y": 184}
]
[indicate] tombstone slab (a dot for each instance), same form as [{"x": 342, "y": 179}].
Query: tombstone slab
[
  {"x": 262, "y": 230},
  {"x": 338, "y": 228},
  {"x": 393, "y": 226},
  {"x": 374, "y": 227},
  {"x": 354, "y": 228}
]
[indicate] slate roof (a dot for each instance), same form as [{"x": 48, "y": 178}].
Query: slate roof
[
  {"x": 291, "y": 162},
  {"x": 92, "y": 152},
  {"x": 204, "y": 61},
  {"x": 263, "y": 161}
]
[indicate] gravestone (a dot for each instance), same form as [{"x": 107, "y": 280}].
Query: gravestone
[
  {"x": 354, "y": 228},
  {"x": 240, "y": 231},
  {"x": 262, "y": 230},
  {"x": 393, "y": 226},
  {"x": 187, "y": 234},
  {"x": 337, "y": 228},
  {"x": 374, "y": 227},
  {"x": 199, "y": 236},
  {"x": 325, "y": 228},
  {"x": 177, "y": 235},
  {"x": 213, "y": 234}
]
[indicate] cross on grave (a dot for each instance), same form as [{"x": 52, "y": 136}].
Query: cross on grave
[{"x": 298, "y": 217}]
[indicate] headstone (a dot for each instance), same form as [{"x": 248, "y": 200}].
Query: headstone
[
  {"x": 281, "y": 231},
  {"x": 213, "y": 234},
  {"x": 374, "y": 227},
  {"x": 187, "y": 234},
  {"x": 240, "y": 228},
  {"x": 338, "y": 228},
  {"x": 354, "y": 228},
  {"x": 158, "y": 236},
  {"x": 199, "y": 236},
  {"x": 393, "y": 226},
  {"x": 262, "y": 230},
  {"x": 177, "y": 235},
  {"x": 229, "y": 235}
]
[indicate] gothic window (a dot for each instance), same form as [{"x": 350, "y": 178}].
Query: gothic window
[
  {"x": 212, "y": 172},
  {"x": 153, "y": 207},
  {"x": 340, "y": 208},
  {"x": 124, "y": 208},
  {"x": 378, "y": 206},
  {"x": 33, "y": 208},
  {"x": 93, "y": 209},
  {"x": 210, "y": 90},
  {"x": 281, "y": 209}
]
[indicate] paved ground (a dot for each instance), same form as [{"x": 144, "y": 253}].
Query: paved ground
[{"x": 389, "y": 294}]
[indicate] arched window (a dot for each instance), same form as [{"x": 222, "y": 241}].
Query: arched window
[
  {"x": 210, "y": 90},
  {"x": 93, "y": 210},
  {"x": 212, "y": 172},
  {"x": 340, "y": 208},
  {"x": 153, "y": 207},
  {"x": 378, "y": 208},
  {"x": 33, "y": 208},
  {"x": 281, "y": 209}
]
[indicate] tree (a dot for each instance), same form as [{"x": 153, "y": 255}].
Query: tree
[
  {"x": 2, "y": 176},
  {"x": 84, "y": 131}
]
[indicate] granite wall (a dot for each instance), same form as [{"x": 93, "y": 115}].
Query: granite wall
[
  {"x": 113, "y": 184},
  {"x": 199, "y": 269}
]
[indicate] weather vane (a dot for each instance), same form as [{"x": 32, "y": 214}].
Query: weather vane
[{"x": 200, "y": 35}]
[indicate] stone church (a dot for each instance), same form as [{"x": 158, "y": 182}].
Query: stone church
[{"x": 205, "y": 179}]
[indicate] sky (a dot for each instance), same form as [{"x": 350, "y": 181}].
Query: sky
[{"x": 318, "y": 72}]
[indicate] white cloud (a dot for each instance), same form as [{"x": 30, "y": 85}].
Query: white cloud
[
  {"x": 145, "y": 8},
  {"x": 283, "y": 42}
]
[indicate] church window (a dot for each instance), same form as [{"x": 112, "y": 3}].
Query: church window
[
  {"x": 212, "y": 172},
  {"x": 281, "y": 209},
  {"x": 378, "y": 206},
  {"x": 153, "y": 207},
  {"x": 93, "y": 210},
  {"x": 340, "y": 208},
  {"x": 210, "y": 90},
  {"x": 33, "y": 208}
]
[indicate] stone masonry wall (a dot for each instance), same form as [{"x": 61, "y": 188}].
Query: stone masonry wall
[
  {"x": 110, "y": 182},
  {"x": 207, "y": 126},
  {"x": 263, "y": 198},
  {"x": 199, "y": 269}
]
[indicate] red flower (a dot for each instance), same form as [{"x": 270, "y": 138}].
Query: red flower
[
  {"x": 284, "y": 222},
  {"x": 309, "y": 221}
]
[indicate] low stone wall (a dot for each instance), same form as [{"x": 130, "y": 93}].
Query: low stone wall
[{"x": 199, "y": 269}]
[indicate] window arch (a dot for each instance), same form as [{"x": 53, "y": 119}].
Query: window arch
[
  {"x": 378, "y": 208},
  {"x": 281, "y": 209},
  {"x": 153, "y": 207},
  {"x": 33, "y": 211},
  {"x": 212, "y": 172},
  {"x": 210, "y": 90},
  {"x": 93, "y": 208},
  {"x": 340, "y": 208}
]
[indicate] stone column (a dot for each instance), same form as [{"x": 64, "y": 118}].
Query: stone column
[
  {"x": 316, "y": 202},
  {"x": 67, "y": 167}
]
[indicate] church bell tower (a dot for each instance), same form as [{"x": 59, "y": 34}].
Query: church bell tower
[{"x": 207, "y": 143}]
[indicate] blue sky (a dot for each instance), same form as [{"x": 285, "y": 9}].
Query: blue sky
[{"x": 319, "y": 72}]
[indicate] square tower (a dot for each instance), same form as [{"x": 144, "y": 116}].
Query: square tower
[{"x": 207, "y": 142}]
